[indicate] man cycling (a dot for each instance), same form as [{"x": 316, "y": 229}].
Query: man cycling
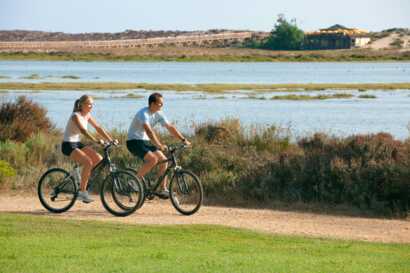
[{"x": 144, "y": 143}]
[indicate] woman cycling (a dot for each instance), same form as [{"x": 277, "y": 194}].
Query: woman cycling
[{"x": 77, "y": 151}]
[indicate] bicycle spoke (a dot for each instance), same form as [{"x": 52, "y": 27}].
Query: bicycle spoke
[
  {"x": 186, "y": 192},
  {"x": 57, "y": 190},
  {"x": 121, "y": 193}
]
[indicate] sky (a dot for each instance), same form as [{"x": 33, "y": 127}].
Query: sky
[{"x": 77, "y": 16}]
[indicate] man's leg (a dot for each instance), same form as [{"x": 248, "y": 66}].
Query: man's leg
[
  {"x": 150, "y": 160},
  {"x": 162, "y": 168}
]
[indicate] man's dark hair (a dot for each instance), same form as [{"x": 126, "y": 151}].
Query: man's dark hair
[{"x": 153, "y": 98}]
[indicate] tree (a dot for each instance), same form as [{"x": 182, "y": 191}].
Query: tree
[{"x": 285, "y": 35}]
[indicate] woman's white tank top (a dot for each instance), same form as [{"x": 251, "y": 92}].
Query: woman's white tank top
[{"x": 72, "y": 133}]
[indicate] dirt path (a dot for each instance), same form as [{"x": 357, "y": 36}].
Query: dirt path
[{"x": 269, "y": 221}]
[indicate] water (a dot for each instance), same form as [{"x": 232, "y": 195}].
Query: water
[
  {"x": 389, "y": 112},
  {"x": 206, "y": 72}
]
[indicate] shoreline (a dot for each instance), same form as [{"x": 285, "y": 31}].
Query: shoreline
[{"x": 211, "y": 55}]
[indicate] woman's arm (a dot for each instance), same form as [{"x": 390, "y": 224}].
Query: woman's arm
[
  {"x": 83, "y": 130},
  {"x": 100, "y": 130}
]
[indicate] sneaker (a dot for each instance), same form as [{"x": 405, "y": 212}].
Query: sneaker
[
  {"x": 83, "y": 196},
  {"x": 164, "y": 194}
]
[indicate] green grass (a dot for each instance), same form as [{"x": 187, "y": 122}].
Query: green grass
[
  {"x": 43, "y": 244},
  {"x": 211, "y": 88}
]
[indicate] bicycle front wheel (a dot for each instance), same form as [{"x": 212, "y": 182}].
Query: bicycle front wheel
[
  {"x": 57, "y": 190},
  {"x": 121, "y": 193},
  {"x": 186, "y": 192}
]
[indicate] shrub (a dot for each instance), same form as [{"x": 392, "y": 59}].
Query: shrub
[
  {"x": 366, "y": 171},
  {"x": 43, "y": 147},
  {"x": 272, "y": 139},
  {"x": 397, "y": 43},
  {"x": 223, "y": 132},
  {"x": 6, "y": 170},
  {"x": 19, "y": 120},
  {"x": 14, "y": 153}
]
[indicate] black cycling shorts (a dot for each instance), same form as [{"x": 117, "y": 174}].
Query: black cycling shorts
[
  {"x": 68, "y": 147},
  {"x": 140, "y": 148}
]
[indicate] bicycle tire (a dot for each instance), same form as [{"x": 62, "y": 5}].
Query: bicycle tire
[
  {"x": 182, "y": 188},
  {"x": 143, "y": 183},
  {"x": 127, "y": 188},
  {"x": 49, "y": 200},
  {"x": 113, "y": 197}
]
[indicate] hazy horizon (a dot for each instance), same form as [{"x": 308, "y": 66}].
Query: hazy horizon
[{"x": 107, "y": 16}]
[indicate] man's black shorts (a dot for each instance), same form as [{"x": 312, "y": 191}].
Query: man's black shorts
[
  {"x": 140, "y": 148},
  {"x": 68, "y": 147}
]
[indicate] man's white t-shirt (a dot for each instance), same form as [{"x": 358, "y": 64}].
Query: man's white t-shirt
[{"x": 144, "y": 116}]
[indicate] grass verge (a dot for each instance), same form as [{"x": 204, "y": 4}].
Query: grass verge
[{"x": 43, "y": 244}]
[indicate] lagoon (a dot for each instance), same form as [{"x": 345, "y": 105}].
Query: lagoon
[
  {"x": 205, "y": 72},
  {"x": 388, "y": 112}
]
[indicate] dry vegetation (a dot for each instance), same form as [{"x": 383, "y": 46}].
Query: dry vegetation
[{"x": 369, "y": 172}]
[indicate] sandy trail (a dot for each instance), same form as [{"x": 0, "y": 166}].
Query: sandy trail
[{"x": 161, "y": 212}]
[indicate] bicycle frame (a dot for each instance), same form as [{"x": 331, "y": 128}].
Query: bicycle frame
[
  {"x": 105, "y": 161},
  {"x": 172, "y": 167}
]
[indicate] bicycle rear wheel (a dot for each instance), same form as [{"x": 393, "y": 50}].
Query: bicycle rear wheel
[
  {"x": 121, "y": 193},
  {"x": 186, "y": 192},
  {"x": 57, "y": 190}
]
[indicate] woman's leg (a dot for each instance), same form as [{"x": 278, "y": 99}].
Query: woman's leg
[
  {"x": 86, "y": 162},
  {"x": 95, "y": 157}
]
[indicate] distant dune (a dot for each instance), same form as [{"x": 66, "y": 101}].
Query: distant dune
[
  {"x": 32, "y": 36},
  {"x": 393, "y": 40},
  {"x": 211, "y": 45}
]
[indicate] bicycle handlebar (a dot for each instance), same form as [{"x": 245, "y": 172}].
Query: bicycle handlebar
[
  {"x": 109, "y": 144},
  {"x": 172, "y": 148}
]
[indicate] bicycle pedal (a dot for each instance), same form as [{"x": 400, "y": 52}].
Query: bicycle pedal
[{"x": 150, "y": 197}]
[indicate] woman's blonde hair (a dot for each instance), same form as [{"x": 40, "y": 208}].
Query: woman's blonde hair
[{"x": 79, "y": 102}]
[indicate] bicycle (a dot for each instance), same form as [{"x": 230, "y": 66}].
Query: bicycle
[
  {"x": 58, "y": 188},
  {"x": 185, "y": 188}
]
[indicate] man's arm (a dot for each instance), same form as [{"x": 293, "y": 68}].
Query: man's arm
[
  {"x": 153, "y": 137},
  {"x": 174, "y": 131}
]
